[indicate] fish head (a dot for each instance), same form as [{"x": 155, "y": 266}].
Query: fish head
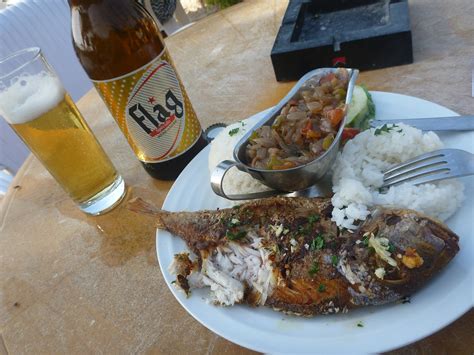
[{"x": 393, "y": 254}]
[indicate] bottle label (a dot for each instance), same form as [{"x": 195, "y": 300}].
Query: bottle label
[{"x": 153, "y": 110}]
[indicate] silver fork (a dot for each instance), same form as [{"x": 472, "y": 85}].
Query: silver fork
[{"x": 437, "y": 165}]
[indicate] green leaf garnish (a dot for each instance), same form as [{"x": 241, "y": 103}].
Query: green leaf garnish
[
  {"x": 365, "y": 241},
  {"x": 391, "y": 248},
  {"x": 234, "y": 131},
  {"x": 321, "y": 288},
  {"x": 313, "y": 269},
  {"x": 235, "y": 236},
  {"x": 386, "y": 129},
  {"x": 360, "y": 324},
  {"x": 317, "y": 243},
  {"x": 334, "y": 260},
  {"x": 303, "y": 229},
  {"x": 313, "y": 218}
]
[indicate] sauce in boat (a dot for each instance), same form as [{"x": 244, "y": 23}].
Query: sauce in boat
[{"x": 305, "y": 128}]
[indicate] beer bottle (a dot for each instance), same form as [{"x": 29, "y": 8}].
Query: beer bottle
[{"x": 121, "y": 49}]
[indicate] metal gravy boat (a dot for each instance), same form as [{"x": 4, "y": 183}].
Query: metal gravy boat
[{"x": 288, "y": 180}]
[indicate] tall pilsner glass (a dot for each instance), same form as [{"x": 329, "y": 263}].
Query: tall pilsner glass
[{"x": 35, "y": 104}]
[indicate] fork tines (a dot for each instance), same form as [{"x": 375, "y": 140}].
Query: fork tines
[{"x": 424, "y": 168}]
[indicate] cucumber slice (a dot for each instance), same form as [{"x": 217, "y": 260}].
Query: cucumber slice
[{"x": 358, "y": 106}]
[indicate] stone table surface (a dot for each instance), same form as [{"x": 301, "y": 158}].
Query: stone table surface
[{"x": 70, "y": 283}]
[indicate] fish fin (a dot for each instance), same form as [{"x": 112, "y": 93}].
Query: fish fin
[{"x": 140, "y": 206}]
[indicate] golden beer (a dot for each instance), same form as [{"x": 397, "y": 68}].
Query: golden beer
[
  {"x": 35, "y": 104},
  {"x": 64, "y": 143}
]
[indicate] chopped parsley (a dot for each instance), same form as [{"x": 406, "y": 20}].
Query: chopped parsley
[
  {"x": 317, "y": 243},
  {"x": 234, "y": 131},
  {"x": 360, "y": 324},
  {"x": 235, "y": 236},
  {"x": 391, "y": 248},
  {"x": 313, "y": 219},
  {"x": 386, "y": 129},
  {"x": 303, "y": 229},
  {"x": 236, "y": 207},
  {"x": 334, "y": 260},
  {"x": 365, "y": 241},
  {"x": 313, "y": 269},
  {"x": 233, "y": 222},
  {"x": 321, "y": 288},
  {"x": 173, "y": 282}
]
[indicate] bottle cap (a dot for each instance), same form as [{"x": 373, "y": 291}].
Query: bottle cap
[{"x": 213, "y": 130}]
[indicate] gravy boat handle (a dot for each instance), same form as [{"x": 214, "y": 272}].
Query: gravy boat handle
[{"x": 217, "y": 183}]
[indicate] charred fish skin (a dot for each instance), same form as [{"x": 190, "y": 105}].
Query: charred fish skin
[
  {"x": 393, "y": 254},
  {"x": 286, "y": 253},
  {"x": 206, "y": 229}
]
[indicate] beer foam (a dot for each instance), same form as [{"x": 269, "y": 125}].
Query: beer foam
[{"x": 30, "y": 96}]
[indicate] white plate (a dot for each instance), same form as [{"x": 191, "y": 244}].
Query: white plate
[{"x": 444, "y": 299}]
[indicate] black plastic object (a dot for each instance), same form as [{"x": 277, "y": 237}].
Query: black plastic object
[{"x": 363, "y": 34}]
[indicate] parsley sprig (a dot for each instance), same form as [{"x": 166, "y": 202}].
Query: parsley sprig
[
  {"x": 313, "y": 269},
  {"x": 235, "y": 236},
  {"x": 313, "y": 219},
  {"x": 317, "y": 243},
  {"x": 234, "y": 131},
  {"x": 387, "y": 129}
]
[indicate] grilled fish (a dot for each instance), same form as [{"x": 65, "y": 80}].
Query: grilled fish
[{"x": 287, "y": 254}]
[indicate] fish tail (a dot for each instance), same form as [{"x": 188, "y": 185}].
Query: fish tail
[{"x": 140, "y": 206}]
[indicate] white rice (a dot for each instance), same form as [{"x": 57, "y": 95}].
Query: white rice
[
  {"x": 358, "y": 176},
  {"x": 222, "y": 148}
]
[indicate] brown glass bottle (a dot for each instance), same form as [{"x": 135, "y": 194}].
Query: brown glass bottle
[{"x": 122, "y": 51}]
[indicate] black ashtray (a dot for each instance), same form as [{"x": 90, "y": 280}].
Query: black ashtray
[{"x": 363, "y": 34}]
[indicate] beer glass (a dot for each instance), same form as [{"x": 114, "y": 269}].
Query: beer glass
[{"x": 35, "y": 104}]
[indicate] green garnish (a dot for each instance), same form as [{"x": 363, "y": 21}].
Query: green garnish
[
  {"x": 173, "y": 282},
  {"x": 313, "y": 218},
  {"x": 235, "y": 236},
  {"x": 233, "y": 222},
  {"x": 303, "y": 229},
  {"x": 313, "y": 269},
  {"x": 386, "y": 129},
  {"x": 317, "y": 243},
  {"x": 236, "y": 207},
  {"x": 360, "y": 324},
  {"x": 365, "y": 241},
  {"x": 321, "y": 288},
  {"x": 334, "y": 260},
  {"x": 391, "y": 248},
  {"x": 234, "y": 131}
]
